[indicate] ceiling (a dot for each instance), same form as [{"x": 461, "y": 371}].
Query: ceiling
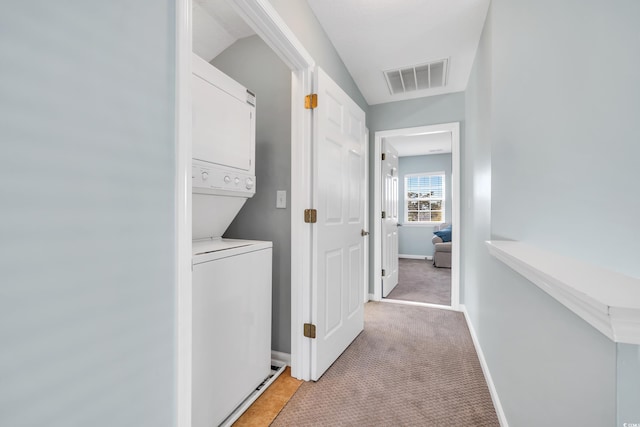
[
  {"x": 216, "y": 26},
  {"x": 423, "y": 144},
  {"x": 373, "y": 36}
]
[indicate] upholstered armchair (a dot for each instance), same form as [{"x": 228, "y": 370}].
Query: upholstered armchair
[{"x": 442, "y": 244}]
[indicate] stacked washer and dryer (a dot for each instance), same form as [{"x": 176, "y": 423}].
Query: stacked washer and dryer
[{"x": 231, "y": 278}]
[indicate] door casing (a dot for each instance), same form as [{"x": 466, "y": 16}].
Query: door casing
[
  {"x": 261, "y": 16},
  {"x": 376, "y": 269}
]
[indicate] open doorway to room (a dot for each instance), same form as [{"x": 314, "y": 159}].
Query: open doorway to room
[{"x": 416, "y": 241}]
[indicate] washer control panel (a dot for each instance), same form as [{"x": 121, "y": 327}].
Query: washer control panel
[{"x": 218, "y": 179}]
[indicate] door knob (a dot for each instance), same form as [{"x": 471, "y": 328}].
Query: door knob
[{"x": 364, "y": 233}]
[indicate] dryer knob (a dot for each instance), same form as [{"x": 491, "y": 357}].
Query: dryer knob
[
  {"x": 249, "y": 183},
  {"x": 205, "y": 175},
  {"x": 237, "y": 180},
  {"x": 227, "y": 179}
]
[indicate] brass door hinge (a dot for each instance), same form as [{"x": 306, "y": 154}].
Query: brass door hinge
[
  {"x": 384, "y": 214},
  {"x": 384, "y": 156},
  {"x": 309, "y": 330},
  {"x": 310, "y": 216},
  {"x": 311, "y": 101}
]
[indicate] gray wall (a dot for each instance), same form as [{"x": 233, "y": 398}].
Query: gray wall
[
  {"x": 405, "y": 114},
  {"x": 558, "y": 137},
  {"x": 87, "y": 253},
  {"x": 417, "y": 112},
  {"x": 252, "y": 63},
  {"x": 415, "y": 239}
]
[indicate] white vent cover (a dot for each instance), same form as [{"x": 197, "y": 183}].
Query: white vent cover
[{"x": 417, "y": 77}]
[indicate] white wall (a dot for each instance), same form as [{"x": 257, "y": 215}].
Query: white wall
[
  {"x": 87, "y": 250},
  {"x": 552, "y": 146}
]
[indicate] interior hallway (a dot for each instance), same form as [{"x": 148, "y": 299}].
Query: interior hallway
[
  {"x": 420, "y": 281},
  {"x": 410, "y": 366}
]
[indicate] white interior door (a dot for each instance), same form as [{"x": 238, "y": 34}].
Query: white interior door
[
  {"x": 390, "y": 219},
  {"x": 337, "y": 307}
]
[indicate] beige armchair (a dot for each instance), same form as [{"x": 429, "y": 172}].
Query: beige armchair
[{"x": 442, "y": 252}]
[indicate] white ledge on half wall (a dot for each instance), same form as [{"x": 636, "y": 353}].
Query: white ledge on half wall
[{"x": 608, "y": 301}]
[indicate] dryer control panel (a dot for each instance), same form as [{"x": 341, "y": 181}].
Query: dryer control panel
[{"x": 211, "y": 180}]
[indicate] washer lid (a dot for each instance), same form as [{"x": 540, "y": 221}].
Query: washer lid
[{"x": 211, "y": 249}]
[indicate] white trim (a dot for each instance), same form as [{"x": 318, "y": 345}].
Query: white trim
[
  {"x": 424, "y": 257},
  {"x": 419, "y": 304},
  {"x": 454, "y": 128},
  {"x": 485, "y": 370},
  {"x": 371, "y": 297},
  {"x": 456, "y": 202},
  {"x": 183, "y": 212},
  {"x": 608, "y": 301},
  {"x": 376, "y": 270},
  {"x": 282, "y": 357},
  {"x": 367, "y": 240},
  {"x": 301, "y": 156},
  {"x": 261, "y": 16},
  {"x": 443, "y": 173}
]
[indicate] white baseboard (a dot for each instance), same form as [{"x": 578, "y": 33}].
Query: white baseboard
[
  {"x": 283, "y": 357},
  {"x": 485, "y": 370},
  {"x": 405, "y": 256}
]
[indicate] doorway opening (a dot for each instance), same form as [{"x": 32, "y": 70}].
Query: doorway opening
[
  {"x": 263, "y": 20},
  {"x": 417, "y": 194}
]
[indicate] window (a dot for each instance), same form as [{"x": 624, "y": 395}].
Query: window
[{"x": 424, "y": 197}]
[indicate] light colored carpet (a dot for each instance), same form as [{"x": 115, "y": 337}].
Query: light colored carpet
[
  {"x": 419, "y": 280},
  {"x": 412, "y": 366}
]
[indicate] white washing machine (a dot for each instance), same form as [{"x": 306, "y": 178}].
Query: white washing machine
[
  {"x": 231, "y": 325},
  {"x": 231, "y": 278}
]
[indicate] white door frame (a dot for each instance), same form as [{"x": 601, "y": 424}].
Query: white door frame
[
  {"x": 265, "y": 21},
  {"x": 183, "y": 210},
  {"x": 454, "y": 128},
  {"x": 367, "y": 239}
]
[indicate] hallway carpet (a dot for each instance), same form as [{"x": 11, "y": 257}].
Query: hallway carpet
[
  {"x": 412, "y": 366},
  {"x": 420, "y": 281}
]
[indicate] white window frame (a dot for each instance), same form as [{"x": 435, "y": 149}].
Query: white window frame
[{"x": 406, "y": 198}]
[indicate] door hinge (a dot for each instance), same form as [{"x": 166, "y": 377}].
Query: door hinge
[
  {"x": 384, "y": 214},
  {"x": 311, "y": 101},
  {"x": 309, "y": 330},
  {"x": 384, "y": 273},
  {"x": 310, "y": 216},
  {"x": 384, "y": 156}
]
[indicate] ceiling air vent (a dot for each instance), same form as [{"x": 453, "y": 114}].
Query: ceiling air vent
[{"x": 418, "y": 77}]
